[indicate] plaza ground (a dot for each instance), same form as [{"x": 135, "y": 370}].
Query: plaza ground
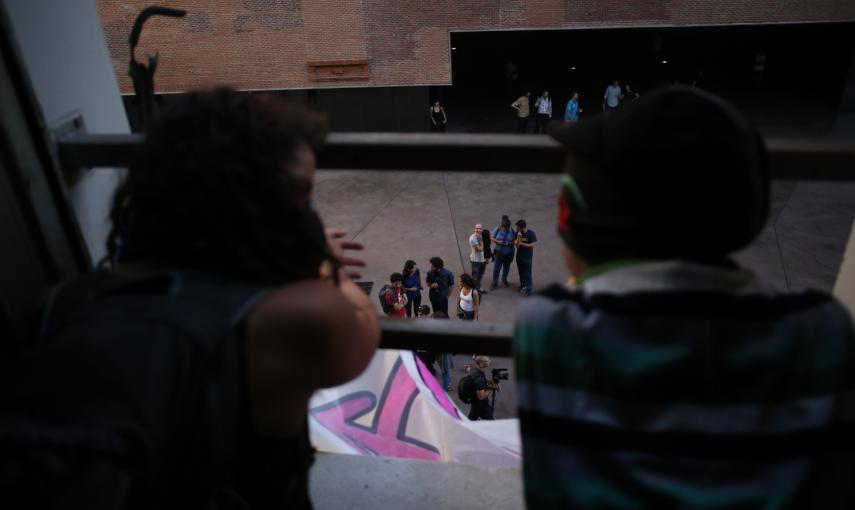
[{"x": 418, "y": 215}]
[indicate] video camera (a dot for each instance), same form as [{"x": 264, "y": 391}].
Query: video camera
[{"x": 500, "y": 374}]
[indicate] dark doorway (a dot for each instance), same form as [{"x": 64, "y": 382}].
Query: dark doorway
[{"x": 787, "y": 78}]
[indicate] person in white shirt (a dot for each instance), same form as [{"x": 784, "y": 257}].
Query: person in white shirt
[
  {"x": 469, "y": 300},
  {"x": 612, "y": 97},
  {"x": 543, "y": 105},
  {"x": 476, "y": 255}
]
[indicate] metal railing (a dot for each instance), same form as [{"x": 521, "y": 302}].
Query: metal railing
[
  {"x": 791, "y": 159},
  {"x": 446, "y": 336}
]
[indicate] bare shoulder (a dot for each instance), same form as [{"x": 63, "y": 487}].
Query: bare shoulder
[
  {"x": 311, "y": 330},
  {"x": 298, "y": 302}
]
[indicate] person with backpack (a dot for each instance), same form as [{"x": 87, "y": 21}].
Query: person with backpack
[
  {"x": 178, "y": 375},
  {"x": 441, "y": 281},
  {"x": 526, "y": 239},
  {"x": 393, "y": 298},
  {"x": 505, "y": 238},
  {"x": 543, "y": 106},
  {"x": 475, "y": 389}
]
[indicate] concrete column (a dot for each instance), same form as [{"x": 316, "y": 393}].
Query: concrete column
[
  {"x": 847, "y": 98},
  {"x": 65, "y": 55},
  {"x": 844, "y": 287}
]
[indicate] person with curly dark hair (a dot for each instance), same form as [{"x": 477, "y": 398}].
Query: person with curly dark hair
[
  {"x": 468, "y": 299},
  {"x": 440, "y": 281},
  {"x": 178, "y": 375},
  {"x": 413, "y": 286}
]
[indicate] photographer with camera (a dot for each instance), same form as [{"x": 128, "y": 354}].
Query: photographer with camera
[{"x": 481, "y": 409}]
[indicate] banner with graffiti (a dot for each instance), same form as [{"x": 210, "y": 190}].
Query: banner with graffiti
[{"x": 396, "y": 408}]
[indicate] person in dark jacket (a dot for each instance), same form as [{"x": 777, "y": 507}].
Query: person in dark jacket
[{"x": 441, "y": 282}]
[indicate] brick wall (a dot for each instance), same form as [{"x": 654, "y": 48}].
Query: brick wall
[{"x": 283, "y": 44}]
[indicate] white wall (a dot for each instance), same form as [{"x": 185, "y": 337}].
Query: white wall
[{"x": 66, "y": 57}]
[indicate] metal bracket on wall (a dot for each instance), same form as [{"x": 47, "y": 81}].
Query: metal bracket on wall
[{"x": 67, "y": 128}]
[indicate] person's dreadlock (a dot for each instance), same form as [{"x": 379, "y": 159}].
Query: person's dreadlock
[{"x": 213, "y": 190}]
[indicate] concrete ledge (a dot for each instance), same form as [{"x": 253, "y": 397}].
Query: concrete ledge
[{"x": 354, "y": 482}]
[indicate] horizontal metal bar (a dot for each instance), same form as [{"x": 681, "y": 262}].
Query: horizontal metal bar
[
  {"x": 810, "y": 159},
  {"x": 797, "y": 159},
  {"x": 446, "y": 336},
  {"x": 456, "y": 152},
  {"x": 90, "y": 151}
]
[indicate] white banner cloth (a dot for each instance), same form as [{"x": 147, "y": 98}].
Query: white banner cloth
[{"x": 396, "y": 408}]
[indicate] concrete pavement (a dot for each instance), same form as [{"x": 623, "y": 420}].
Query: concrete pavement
[{"x": 418, "y": 215}]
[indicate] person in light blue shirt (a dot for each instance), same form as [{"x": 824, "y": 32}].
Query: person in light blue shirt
[
  {"x": 504, "y": 238},
  {"x": 571, "y": 113}
]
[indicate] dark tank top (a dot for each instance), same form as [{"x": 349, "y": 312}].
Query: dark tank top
[{"x": 145, "y": 375}]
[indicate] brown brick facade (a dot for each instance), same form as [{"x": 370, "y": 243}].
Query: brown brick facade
[{"x": 286, "y": 44}]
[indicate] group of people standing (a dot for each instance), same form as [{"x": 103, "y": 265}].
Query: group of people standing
[
  {"x": 402, "y": 297},
  {"x": 509, "y": 242},
  {"x": 615, "y": 96},
  {"x": 543, "y": 111}
]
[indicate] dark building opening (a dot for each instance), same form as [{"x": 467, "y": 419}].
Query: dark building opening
[{"x": 789, "y": 78}]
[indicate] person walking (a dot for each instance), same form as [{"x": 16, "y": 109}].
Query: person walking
[
  {"x": 629, "y": 95},
  {"x": 504, "y": 237},
  {"x": 612, "y": 97},
  {"x": 468, "y": 299},
  {"x": 572, "y": 111},
  {"x": 526, "y": 239},
  {"x": 412, "y": 286},
  {"x": 477, "y": 258},
  {"x": 441, "y": 281},
  {"x": 522, "y": 106},
  {"x": 543, "y": 105},
  {"x": 438, "y": 120}
]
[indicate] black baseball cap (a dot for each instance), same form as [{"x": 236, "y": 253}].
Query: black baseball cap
[{"x": 678, "y": 173}]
